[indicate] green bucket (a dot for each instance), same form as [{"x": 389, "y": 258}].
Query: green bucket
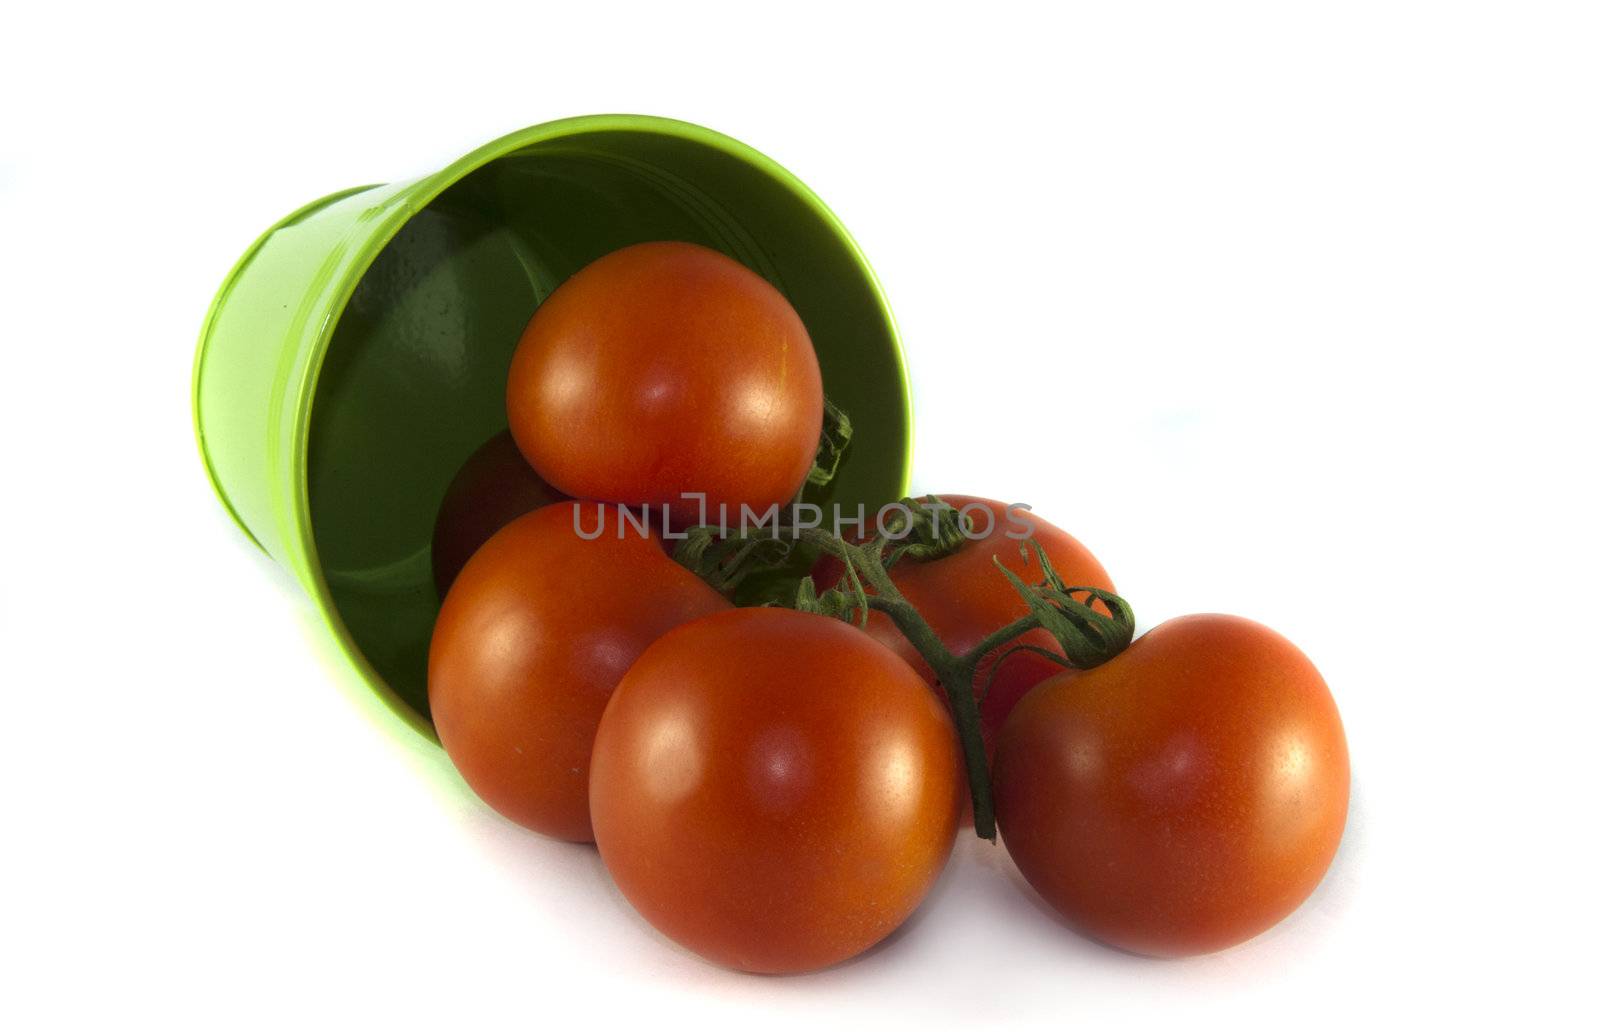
[{"x": 357, "y": 353}]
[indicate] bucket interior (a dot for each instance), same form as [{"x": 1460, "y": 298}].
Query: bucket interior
[{"x": 414, "y": 377}]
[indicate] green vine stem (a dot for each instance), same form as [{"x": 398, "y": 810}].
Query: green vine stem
[
  {"x": 832, "y": 446},
  {"x": 1088, "y": 636}
]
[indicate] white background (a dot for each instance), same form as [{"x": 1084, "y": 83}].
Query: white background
[{"x": 1286, "y": 310}]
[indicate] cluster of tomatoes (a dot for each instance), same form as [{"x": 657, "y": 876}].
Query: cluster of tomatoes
[{"x": 775, "y": 789}]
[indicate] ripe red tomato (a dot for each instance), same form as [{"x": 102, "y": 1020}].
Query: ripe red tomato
[
  {"x": 668, "y": 368},
  {"x": 964, "y": 599},
  {"x": 774, "y": 790},
  {"x": 532, "y": 638},
  {"x": 493, "y": 487},
  {"x": 1184, "y": 796}
]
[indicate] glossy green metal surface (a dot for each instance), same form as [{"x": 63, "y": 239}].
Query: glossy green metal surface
[{"x": 358, "y": 351}]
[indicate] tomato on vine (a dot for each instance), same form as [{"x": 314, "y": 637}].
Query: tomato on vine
[
  {"x": 533, "y": 636},
  {"x": 664, "y": 370},
  {"x": 774, "y": 790},
  {"x": 1184, "y": 795},
  {"x": 493, "y": 487},
  {"x": 964, "y": 599}
]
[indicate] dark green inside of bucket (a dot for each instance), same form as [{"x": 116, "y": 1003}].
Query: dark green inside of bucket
[{"x": 414, "y": 377}]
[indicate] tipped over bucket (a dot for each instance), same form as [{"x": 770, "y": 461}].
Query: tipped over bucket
[{"x": 357, "y": 353}]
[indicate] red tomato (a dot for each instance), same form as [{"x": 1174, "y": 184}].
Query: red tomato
[
  {"x": 493, "y": 487},
  {"x": 663, "y": 369},
  {"x": 964, "y": 598},
  {"x": 532, "y": 638},
  {"x": 774, "y": 790},
  {"x": 1182, "y": 797}
]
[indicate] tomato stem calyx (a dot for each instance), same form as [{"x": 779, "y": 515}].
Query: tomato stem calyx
[
  {"x": 1088, "y": 636},
  {"x": 832, "y": 446}
]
